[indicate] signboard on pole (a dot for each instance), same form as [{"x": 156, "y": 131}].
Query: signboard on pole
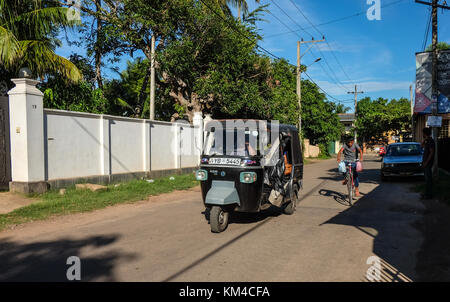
[
  {"x": 434, "y": 121},
  {"x": 424, "y": 98}
]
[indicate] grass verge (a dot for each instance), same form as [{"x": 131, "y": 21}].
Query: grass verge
[
  {"x": 441, "y": 188},
  {"x": 76, "y": 201},
  {"x": 311, "y": 160}
]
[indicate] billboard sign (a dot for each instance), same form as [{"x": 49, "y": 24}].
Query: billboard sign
[{"x": 424, "y": 98}]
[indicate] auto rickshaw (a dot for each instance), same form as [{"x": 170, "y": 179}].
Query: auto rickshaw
[{"x": 249, "y": 166}]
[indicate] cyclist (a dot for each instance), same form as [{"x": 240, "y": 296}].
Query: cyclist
[{"x": 351, "y": 150}]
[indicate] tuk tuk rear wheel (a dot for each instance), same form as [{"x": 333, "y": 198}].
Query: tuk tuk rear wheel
[
  {"x": 218, "y": 219},
  {"x": 289, "y": 209}
]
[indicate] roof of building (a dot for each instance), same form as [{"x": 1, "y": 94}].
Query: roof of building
[{"x": 346, "y": 117}]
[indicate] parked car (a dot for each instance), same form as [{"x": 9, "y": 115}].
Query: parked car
[{"x": 402, "y": 159}]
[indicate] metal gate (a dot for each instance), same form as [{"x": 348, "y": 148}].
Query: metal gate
[{"x": 5, "y": 154}]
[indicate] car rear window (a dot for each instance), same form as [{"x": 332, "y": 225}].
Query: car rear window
[{"x": 404, "y": 150}]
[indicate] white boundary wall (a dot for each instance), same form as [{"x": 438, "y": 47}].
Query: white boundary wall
[
  {"x": 84, "y": 144},
  {"x": 50, "y": 145}
]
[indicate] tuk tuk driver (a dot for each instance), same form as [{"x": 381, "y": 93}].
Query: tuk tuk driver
[
  {"x": 351, "y": 150},
  {"x": 249, "y": 150}
]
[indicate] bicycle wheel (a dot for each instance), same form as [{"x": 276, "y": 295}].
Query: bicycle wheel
[{"x": 350, "y": 188}]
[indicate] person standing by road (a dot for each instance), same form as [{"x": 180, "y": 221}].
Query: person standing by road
[
  {"x": 428, "y": 146},
  {"x": 350, "y": 151}
]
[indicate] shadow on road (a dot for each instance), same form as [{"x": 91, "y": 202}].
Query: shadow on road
[
  {"x": 339, "y": 197},
  {"x": 246, "y": 218},
  {"x": 46, "y": 260},
  {"x": 387, "y": 214}
]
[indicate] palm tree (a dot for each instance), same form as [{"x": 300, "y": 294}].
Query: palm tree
[
  {"x": 241, "y": 5},
  {"x": 28, "y": 30}
]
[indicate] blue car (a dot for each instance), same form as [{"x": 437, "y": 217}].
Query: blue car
[{"x": 402, "y": 159}]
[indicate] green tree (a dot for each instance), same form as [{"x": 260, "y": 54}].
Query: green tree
[
  {"x": 283, "y": 98},
  {"x": 28, "y": 30},
  {"x": 320, "y": 122},
  {"x": 131, "y": 24},
  {"x": 373, "y": 119},
  {"x": 440, "y": 46},
  {"x": 124, "y": 93},
  {"x": 241, "y": 5},
  {"x": 400, "y": 115},
  {"x": 212, "y": 66},
  {"x": 341, "y": 108},
  {"x": 377, "y": 117},
  {"x": 75, "y": 96}
]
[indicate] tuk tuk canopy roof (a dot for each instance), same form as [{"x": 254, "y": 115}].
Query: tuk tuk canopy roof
[{"x": 251, "y": 124}]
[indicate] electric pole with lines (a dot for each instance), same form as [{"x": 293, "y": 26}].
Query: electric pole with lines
[{"x": 355, "y": 93}]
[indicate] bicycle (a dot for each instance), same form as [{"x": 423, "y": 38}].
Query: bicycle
[{"x": 350, "y": 182}]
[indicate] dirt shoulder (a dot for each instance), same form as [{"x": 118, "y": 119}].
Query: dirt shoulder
[{"x": 11, "y": 201}]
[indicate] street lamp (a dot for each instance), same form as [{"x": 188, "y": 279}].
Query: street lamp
[{"x": 315, "y": 61}]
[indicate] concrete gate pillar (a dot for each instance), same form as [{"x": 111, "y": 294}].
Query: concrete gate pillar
[{"x": 26, "y": 115}]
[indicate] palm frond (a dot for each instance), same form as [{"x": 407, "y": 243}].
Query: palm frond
[
  {"x": 255, "y": 15},
  {"x": 43, "y": 20},
  {"x": 123, "y": 103},
  {"x": 9, "y": 47},
  {"x": 40, "y": 58}
]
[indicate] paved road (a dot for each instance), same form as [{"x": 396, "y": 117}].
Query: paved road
[{"x": 167, "y": 238}]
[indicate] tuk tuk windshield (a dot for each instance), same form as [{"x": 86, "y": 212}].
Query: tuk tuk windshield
[{"x": 232, "y": 142}]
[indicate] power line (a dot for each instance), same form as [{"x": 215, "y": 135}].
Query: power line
[
  {"x": 339, "y": 19},
  {"x": 239, "y": 32},
  {"x": 262, "y": 48},
  {"x": 427, "y": 31},
  {"x": 335, "y": 79},
  {"x": 326, "y": 93},
  {"x": 287, "y": 15},
  {"x": 331, "y": 50}
]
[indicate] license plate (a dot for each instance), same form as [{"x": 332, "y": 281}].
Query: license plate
[{"x": 225, "y": 161}]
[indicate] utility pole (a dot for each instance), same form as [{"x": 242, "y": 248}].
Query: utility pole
[
  {"x": 356, "y": 104},
  {"x": 152, "y": 80},
  {"x": 434, "y": 75},
  {"x": 299, "y": 82}
]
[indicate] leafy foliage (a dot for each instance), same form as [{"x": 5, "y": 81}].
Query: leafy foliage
[
  {"x": 319, "y": 118},
  {"x": 206, "y": 60},
  {"x": 81, "y": 96},
  {"x": 28, "y": 31},
  {"x": 377, "y": 117},
  {"x": 440, "y": 46}
]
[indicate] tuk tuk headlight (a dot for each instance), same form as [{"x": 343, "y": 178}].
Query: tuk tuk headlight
[
  {"x": 247, "y": 177},
  {"x": 201, "y": 175}
]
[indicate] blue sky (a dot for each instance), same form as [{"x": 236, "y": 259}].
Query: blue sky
[{"x": 378, "y": 56}]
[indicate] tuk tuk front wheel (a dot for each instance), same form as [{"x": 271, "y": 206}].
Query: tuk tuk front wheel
[{"x": 218, "y": 219}]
